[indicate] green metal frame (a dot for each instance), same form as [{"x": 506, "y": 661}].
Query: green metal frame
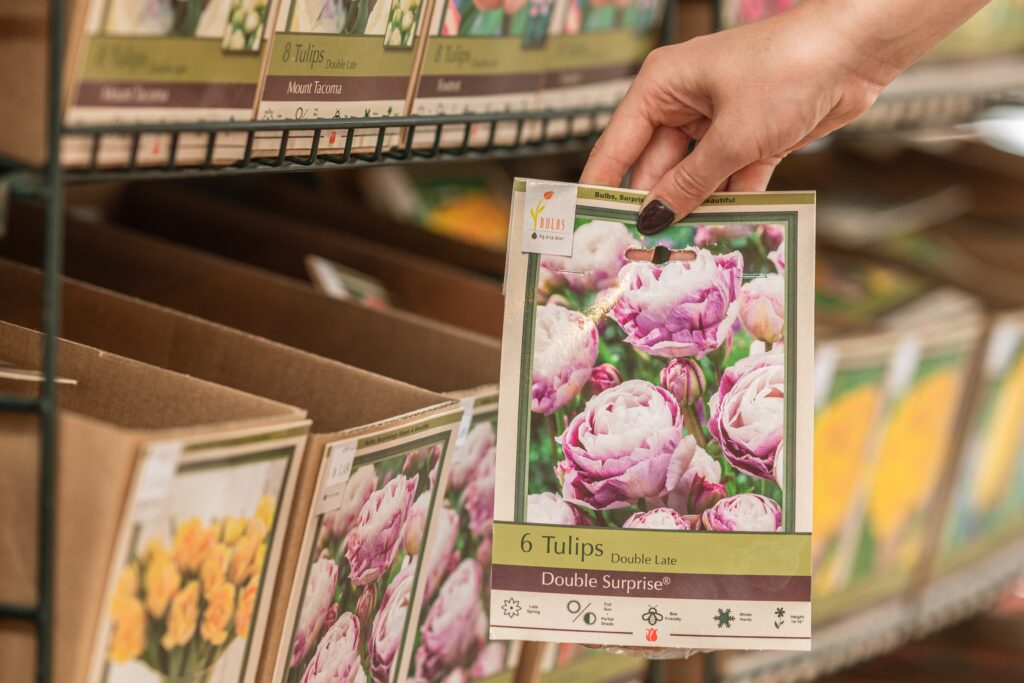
[{"x": 51, "y": 189}]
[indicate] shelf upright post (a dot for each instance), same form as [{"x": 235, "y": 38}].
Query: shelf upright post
[{"x": 53, "y": 189}]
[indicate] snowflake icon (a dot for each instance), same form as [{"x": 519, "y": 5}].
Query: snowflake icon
[
  {"x": 511, "y": 608},
  {"x": 724, "y": 618}
]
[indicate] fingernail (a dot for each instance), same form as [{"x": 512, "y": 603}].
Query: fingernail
[{"x": 655, "y": 217}]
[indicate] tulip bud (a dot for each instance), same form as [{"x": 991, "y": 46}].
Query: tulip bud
[
  {"x": 762, "y": 308},
  {"x": 331, "y": 616},
  {"x": 604, "y": 376},
  {"x": 364, "y": 606},
  {"x": 684, "y": 379},
  {"x": 704, "y": 495},
  {"x": 771, "y": 236},
  {"x": 416, "y": 523}
]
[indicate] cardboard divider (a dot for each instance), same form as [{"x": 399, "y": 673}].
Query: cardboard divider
[
  {"x": 187, "y": 344},
  {"x": 201, "y": 219},
  {"x": 117, "y": 409},
  {"x": 333, "y": 202},
  {"x": 432, "y": 355}
]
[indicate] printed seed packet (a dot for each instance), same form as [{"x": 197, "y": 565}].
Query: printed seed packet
[
  {"x": 157, "y": 61},
  {"x": 339, "y": 59},
  {"x": 987, "y": 505},
  {"x": 596, "y": 48},
  {"x": 196, "y": 559},
  {"x": 907, "y": 462},
  {"x": 849, "y": 396},
  {"x": 348, "y": 284},
  {"x": 482, "y": 56},
  {"x": 655, "y": 423},
  {"x": 361, "y": 573},
  {"x": 450, "y": 642}
]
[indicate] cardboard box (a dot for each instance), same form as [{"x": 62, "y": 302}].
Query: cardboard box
[
  {"x": 187, "y": 344},
  {"x": 24, "y": 75},
  {"x": 394, "y": 344},
  {"x": 144, "y": 456},
  {"x": 427, "y": 354},
  {"x": 282, "y": 244},
  {"x": 340, "y": 60},
  {"x": 329, "y": 202},
  {"x": 184, "y": 343}
]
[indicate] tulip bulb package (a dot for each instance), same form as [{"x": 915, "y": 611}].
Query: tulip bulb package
[
  {"x": 482, "y": 56},
  {"x": 655, "y": 430},
  {"x": 450, "y": 641},
  {"x": 189, "y": 591},
  {"x": 596, "y": 49},
  {"x": 155, "y": 61},
  {"x": 361, "y": 571},
  {"x": 339, "y": 59}
]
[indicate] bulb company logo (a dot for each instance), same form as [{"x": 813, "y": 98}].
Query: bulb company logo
[
  {"x": 652, "y": 635},
  {"x": 544, "y": 223},
  {"x": 552, "y": 208}
]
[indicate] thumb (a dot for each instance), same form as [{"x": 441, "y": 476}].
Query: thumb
[{"x": 685, "y": 186}]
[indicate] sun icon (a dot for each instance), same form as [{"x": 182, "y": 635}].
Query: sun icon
[
  {"x": 724, "y": 618},
  {"x": 511, "y": 608}
]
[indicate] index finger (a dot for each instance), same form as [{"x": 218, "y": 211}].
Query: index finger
[{"x": 620, "y": 144}]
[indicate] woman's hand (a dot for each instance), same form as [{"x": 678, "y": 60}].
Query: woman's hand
[{"x": 752, "y": 95}]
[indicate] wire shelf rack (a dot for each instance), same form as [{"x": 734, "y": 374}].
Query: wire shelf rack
[{"x": 264, "y": 146}]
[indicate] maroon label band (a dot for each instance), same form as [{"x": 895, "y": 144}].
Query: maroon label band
[
  {"x": 571, "y": 77},
  {"x": 454, "y": 86},
  {"x": 334, "y": 88},
  {"x": 651, "y": 584},
  {"x": 205, "y": 95}
]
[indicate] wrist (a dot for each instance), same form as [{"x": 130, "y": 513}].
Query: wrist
[{"x": 878, "y": 39}]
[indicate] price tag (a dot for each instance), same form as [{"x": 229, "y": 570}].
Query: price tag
[
  {"x": 340, "y": 456},
  {"x": 1003, "y": 342},
  {"x": 904, "y": 365},
  {"x": 156, "y": 476},
  {"x": 467, "y": 420}
]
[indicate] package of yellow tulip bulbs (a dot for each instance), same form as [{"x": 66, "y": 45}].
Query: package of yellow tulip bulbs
[
  {"x": 336, "y": 59},
  {"x": 984, "y": 518},
  {"x": 196, "y": 559},
  {"x": 655, "y": 431},
  {"x": 164, "y": 61},
  {"x": 889, "y": 538}
]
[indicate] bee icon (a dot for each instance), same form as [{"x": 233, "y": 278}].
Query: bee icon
[{"x": 652, "y": 616}]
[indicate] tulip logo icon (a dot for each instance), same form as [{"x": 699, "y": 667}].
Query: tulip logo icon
[{"x": 652, "y": 635}]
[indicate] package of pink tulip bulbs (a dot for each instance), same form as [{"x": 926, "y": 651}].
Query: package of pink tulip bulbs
[{"x": 656, "y": 429}]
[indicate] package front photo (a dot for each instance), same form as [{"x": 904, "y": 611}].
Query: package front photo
[{"x": 656, "y": 423}]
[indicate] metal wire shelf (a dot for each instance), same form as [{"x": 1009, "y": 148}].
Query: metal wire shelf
[{"x": 423, "y": 139}]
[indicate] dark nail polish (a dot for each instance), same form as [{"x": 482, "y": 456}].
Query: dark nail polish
[{"x": 655, "y": 217}]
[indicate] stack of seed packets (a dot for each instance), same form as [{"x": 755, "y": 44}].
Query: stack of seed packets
[{"x": 655, "y": 432}]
